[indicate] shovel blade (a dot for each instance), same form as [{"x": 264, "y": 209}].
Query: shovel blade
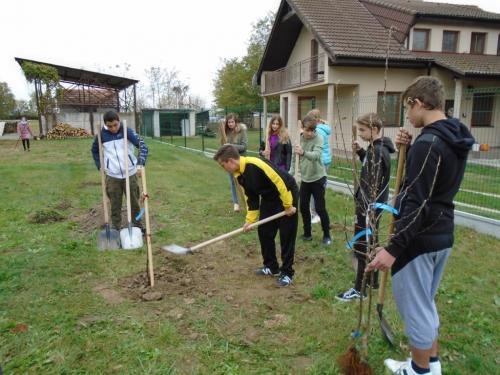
[
  {"x": 131, "y": 238},
  {"x": 108, "y": 240},
  {"x": 176, "y": 249},
  {"x": 385, "y": 326}
]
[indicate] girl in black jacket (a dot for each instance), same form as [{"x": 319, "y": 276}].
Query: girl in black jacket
[{"x": 277, "y": 148}]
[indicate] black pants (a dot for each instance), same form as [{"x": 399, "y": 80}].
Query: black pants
[
  {"x": 287, "y": 226},
  {"x": 361, "y": 248},
  {"x": 26, "y": 144},
  {"x": 317, "y": 190}
]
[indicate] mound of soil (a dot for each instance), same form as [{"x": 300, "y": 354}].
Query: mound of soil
[
  {"x": 45, "y": 216},
  {"x": 218, "y": 271}
]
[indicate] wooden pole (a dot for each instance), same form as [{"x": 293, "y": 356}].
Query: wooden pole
[{"x": 148, "y": 228}]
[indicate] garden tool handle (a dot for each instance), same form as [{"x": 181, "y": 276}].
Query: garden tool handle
[
  {"x": 127, "y": 178},
  {"x": 148, "y": 227},
  {"x": 353, "y": 159},
  {"x": 397, "y": 186},
  {"x": 103, "y": 178},
  {"x": 237, "y": 231},
  {"x": 268, "y": 146}
]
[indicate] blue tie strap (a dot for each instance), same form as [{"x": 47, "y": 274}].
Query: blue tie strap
[
  {"x": 386, "y": 207},
  {"x": 141, "y": 214},
  {"x": 358, "y": 235}
]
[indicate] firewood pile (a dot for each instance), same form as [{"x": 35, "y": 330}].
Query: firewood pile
[{"x": 63, "y": 131}]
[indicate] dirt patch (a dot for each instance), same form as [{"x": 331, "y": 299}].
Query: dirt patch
[
  {"x": 337, "y": 227},
  {"x": 223, "y": 272},
  {"x": 110, "y": 295},
  {"x": 63, "y": 205},
  {"x": 93, "y": 219},
  {"x": 45, "y": 217}
]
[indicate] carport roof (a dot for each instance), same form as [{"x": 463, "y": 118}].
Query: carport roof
[{"x": 86, "y": 77}]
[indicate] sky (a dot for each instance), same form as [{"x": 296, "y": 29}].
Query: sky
[{"x": 190, "y": 36}]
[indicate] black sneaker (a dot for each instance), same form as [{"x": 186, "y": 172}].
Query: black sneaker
[
  {"x": 350, "y": 295},
  {"x": 327, "y": 241},
  {"x": 284, "y": 280},
  {"x": 266, "y": 271},
  {"x": 306, "y": 238}
]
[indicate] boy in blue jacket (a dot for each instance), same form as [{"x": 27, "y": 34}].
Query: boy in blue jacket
[
  {"x": 114, "y": 166},
  {"x": 423, "y": 238}
]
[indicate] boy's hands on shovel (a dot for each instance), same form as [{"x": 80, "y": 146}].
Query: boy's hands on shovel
[
  {"x": 139, "y": 170},
  {"x": 289, "y": 211},
  {"x": 403, "y": 138}
]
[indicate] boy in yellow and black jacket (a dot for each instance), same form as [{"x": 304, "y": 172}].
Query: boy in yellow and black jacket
[{"x": 268, "y": 191}]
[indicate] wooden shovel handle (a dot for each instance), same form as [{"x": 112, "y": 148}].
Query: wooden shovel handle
[
  {"x": 103, "y": 178},
  {"x": 148, "y": 228},
  {"x": 397, "y": 186},
  {"x": 267, "y": 147},
  {"x": 127, "y": 179},
  {"x": 237, "y": 231}
]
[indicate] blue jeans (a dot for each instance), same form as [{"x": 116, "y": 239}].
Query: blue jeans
[{"x": 233, "y": 189}]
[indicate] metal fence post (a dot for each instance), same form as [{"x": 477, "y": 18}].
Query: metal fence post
[
  {"x": 203, "y": 136},
  {"x": 185, "y": 132}
]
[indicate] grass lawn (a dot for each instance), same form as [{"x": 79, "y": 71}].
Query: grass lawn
[{"x": 66, "y": 308}]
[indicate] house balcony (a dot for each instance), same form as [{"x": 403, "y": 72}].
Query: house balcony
[{"x": 302, "y": 73}]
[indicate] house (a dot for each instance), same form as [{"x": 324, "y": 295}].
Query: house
[
  {"x": 159, "y": 122},
  {"x": 331, "y": 55}
]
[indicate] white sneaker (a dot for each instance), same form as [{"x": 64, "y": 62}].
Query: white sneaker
[
  {"x": 435, "y": 368},
  {"x": 350, "y": 295},
  {"x": 315, "y": 219},
  {"x": 401, "y": 368}
]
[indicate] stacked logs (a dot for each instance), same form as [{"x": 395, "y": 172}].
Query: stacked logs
[{"x": 63, "y": 131}]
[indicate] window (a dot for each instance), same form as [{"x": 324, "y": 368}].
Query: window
[
  {"x": 450, "y": 41},
  {"x": 449, "y": 107},
  {"x": 392, "y": 115},
  {"x": 477, "y": 43},
  {"x": 420, "y": 39},
  {"x": 313, "y": 69},
  {"x": 482, "y": 109}
]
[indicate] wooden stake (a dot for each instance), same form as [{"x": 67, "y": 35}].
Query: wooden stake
[{"x": 148, "y": 228}]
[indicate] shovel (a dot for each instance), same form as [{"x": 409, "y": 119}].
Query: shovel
[
  {"x": 176, "y": 249},
  {"x": 384, "y": 325},
  {"x": 107, "y": 239},
  {"x": 131, "y": 237}
]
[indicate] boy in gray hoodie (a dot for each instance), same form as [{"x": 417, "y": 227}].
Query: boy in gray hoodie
[{"x": 313, "y": 178}]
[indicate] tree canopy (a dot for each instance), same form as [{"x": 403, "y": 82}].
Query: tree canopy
[{"x": 7, "y": 101}]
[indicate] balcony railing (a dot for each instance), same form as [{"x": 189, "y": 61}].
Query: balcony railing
[{"x": 302, "y": 73}]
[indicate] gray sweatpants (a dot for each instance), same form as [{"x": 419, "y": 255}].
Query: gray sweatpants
[{"x": 414, "y": 288}]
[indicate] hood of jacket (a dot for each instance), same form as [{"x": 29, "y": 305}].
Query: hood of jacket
[
  {"x": 385, "y": 142},
  {"x": 324, "y": 129},
  {"x": 455, "y": 134}
]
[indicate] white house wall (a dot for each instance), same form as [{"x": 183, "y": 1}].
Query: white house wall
[
  {"x": 371, "y": 80},
  {"x": 302, "y": 49}
]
